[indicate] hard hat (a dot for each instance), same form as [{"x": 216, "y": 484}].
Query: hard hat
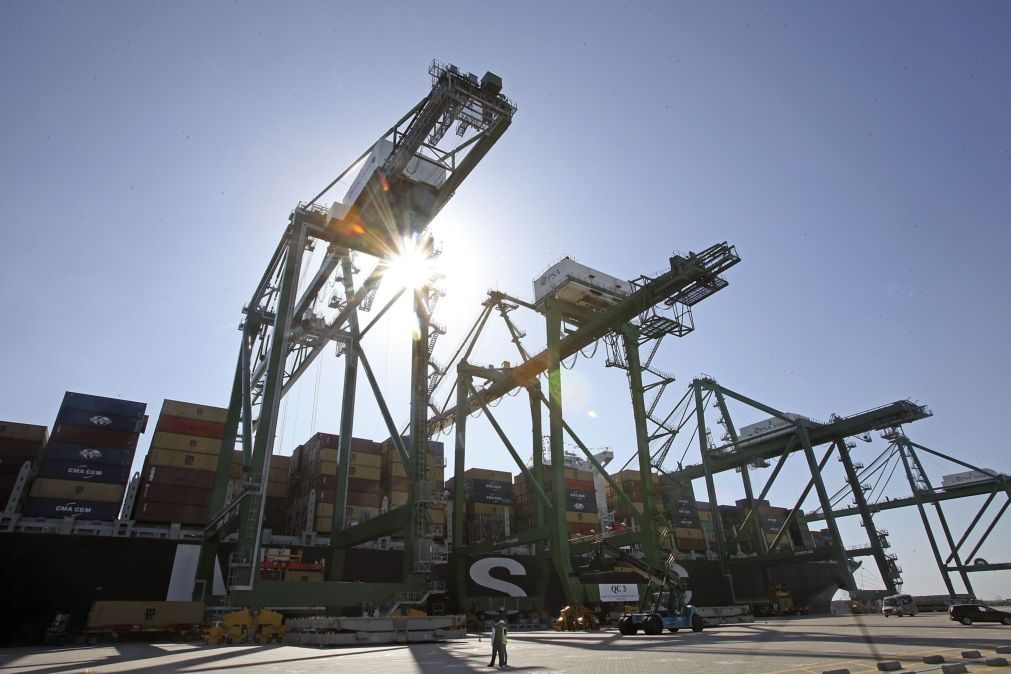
[{"x": 501, "y": 622}]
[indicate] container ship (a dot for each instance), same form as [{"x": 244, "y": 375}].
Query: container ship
[{"x": 77, "y": 527}]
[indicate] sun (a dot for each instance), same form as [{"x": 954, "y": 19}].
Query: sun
[{"x": 413, "y": 266}]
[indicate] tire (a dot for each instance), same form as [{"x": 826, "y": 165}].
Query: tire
[
  {"x": 966, "y": 620},
  {"x": 674, "y": 630},
  {"x": 60, "y": 639},
  {"x": 187, "y": 636},
  {"x": 1005, "y": 621},
  {"x": 623, "y": 626},
  {"x": 697, "y": 624},
  {"x": 898, "y": 614},
  {"x": 653, "y": 625}
]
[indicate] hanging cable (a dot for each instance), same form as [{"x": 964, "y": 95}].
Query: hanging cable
[{"x": 315, "y": 395}]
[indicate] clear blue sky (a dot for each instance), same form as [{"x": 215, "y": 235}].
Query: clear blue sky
[{"x": 857, "y": 154}]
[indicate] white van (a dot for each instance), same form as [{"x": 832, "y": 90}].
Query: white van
[{"x": 899, "y": 604}]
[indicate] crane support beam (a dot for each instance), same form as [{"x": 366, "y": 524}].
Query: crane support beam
[
  {"x": 925, "y": 497},
  {"x": 775, "y": 444},
  {"x": 685, "y": 276}
]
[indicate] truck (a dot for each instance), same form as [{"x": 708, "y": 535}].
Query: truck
[
  {"x": 180, "y": 620},
  {"x": 899, "y": 605},
  {"x": 261, "y": 627},
  {"x": 665, "y": 604}
]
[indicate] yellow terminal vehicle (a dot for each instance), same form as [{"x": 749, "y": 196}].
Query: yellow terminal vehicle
[
  {"x": 244, "y": 626},
  {"x": 576, "y": 617}
]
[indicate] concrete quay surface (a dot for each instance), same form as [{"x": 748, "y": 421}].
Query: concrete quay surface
[{"x": 807, "y": 645}]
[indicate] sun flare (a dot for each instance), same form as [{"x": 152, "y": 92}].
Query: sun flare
[{"x": 413, "y": 266}]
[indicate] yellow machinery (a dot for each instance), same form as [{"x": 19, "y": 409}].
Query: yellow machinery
[
  {"x": 576, "y": 617},
  {"x": 244, "y": 626}
]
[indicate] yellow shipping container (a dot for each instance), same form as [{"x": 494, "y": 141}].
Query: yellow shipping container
[
  {"x": 104, "y": 492},
  {"x": 323, "y": 524},
  {"x": 365, "y": 472},
  {"x": 186, "y": 443},
  {"x": 632, "y": 475},
  {"x": 487, "y": 509},
  {"x": 395, "y": 469},
  {"x": 688, "y": 532},
  {"x": 587, "y": 518},
  {"x": 397, "y": 498},
  {"x": 16, "y": 431},
  {"x": 277, "y": 489},
  {"x": 177, "y": 459},
  {"x": 483, "y": 474},
  {"x": 327, "y": 454},
  {"x": 363, "y": 460},
  {"x": 176, "y": 408}
]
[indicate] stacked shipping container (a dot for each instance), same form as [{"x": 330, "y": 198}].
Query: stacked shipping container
[
  {"x": 581, "y": 514},
  {"x": 86, "y": 464},
  {"x": 179, "y": 470},
  {"x": 631, "y": 483},
  {"x": 488, "y": 503},
  {"x": 679, "y": 499},
  {"x": 313, "y": 468},
  {"x": 396, "y": 482},
  {"x": 18, "y": 443}
]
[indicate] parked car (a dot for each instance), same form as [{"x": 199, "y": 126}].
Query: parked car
[
  {"x": 968, "y": 614},
  {"x": 899, "y": 605}
]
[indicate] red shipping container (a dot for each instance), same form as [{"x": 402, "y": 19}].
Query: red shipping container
[
  {"x": 184, "y": 477},
  {"x": 11, "y": 466},
  {"x": 203, "y": 429},
  {"x": 582, "y": 529},
  {"x": 170, "y": 512},
  {"x": 17, "y": 448},
  {"x": 367, "y": 500},
  {"x": 579, "y": 485},
  {"x": 366, "y": 446},
  {"x": 397, "y": 483},
  {"x": 688, "y": 543},
  {"x": 7, "y": 481},
  {"x": 96, "y": 437},
  {"x": 362, "y": 486},
  {"x": 168, "y": 493}
]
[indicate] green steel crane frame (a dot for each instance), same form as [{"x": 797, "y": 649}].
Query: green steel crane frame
[
  {"x": 925, "y": 494},
  {"x": 281, "y": 335},
  {"x": 794, "y": 434},
  {"x": 691, "y": 279}
]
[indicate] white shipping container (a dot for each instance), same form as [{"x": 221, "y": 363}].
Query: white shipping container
[
  {"x": 768, "y": 425},
  {"x": 967, "y": 478},
  {"x": 578, "y": 284},
  {"x": 418, "y": 170}
]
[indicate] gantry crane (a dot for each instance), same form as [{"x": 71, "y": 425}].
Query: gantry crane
[
  {"x": 647, "y": 309},
  {"x": 402, "y": 183}
]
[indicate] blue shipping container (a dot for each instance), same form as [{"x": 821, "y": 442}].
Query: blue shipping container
[
  {"x": 90, "y": 403},
  {"x": 82, "y": 470},
  {"x": 57, "y": 507},
  {"x": 104, "y": 420},
  {"x": 65, "y": 451}
]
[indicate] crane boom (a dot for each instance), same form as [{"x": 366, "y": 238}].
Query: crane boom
[
  {"x": 689, "y": 279},
  {"x": 412, "y": 171}
]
